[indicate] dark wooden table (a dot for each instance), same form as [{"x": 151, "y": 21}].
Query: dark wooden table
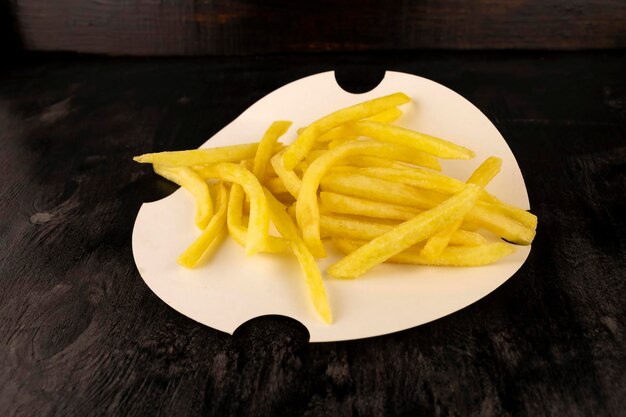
[{"x": 82, "y": 335}]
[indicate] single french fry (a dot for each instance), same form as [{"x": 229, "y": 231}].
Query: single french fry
[
  {"x": 485, "y": 172},
  {"x": 405, "y": 235},
  {"x": 387, "y": 116},
  {"x": 290, "y": 180},
  {"x": 275, "y": 185},
  {"x": 345, "y": 204},
  {"x": 401, "y": 136},
  {"x": 451, "y": 256},
  {"x": 201, "y": 156},
  {"x": 190, "y": 180},
  {"x": 522, "y": 217},
  {"x": 303, "y": 144},
  {"x": 266, "y": 147},
  {"x": 259, "y": 215},
  {"x": 394, "y": 152},
  {"x": 371, "y": 188},
  {"x": 374, "y": 161},
  {"x": 333, "y": 225},
  {"x": 501, "y": 225},
  {"x": 191, "y": 256},
  {"x": 239, "y": 232},
  {"x": 338, "y": 135},
  {"x": 340, "y": 141},
  {"x": 289, "y": 231}
]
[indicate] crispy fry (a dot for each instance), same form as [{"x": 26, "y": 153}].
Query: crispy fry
[
  {"x": 485, "y": 172},
  {"x": 290, "y": 180},
  {"x": 394, "y": 152},
  {"x": 501, "y": 225},
  {"x": 451, "y": 256},
  {"x": 189, "y": 179},
  {"x": 333, "y": 225},
  {"x": 259, "y": 216},
  {"x": 276, "y": 186},
  {"x": 345, "y": 204},
  {"x": 405, "y": 235},
  {"x": 387, "y": 116},
  {"x": 406, "y": 137},
  {"x": 266, "y": 147},
  {"x": 494, "y": 205},
  {"x": 239, "y": 232},
  {"x": 191, "y": 256},
  {"x": 374, "y": 161},
  {"x": 302, "y": 145},
  {"x": 289, "y": 231},
  {"x": 201, "y": 156},
  {"x": 377, "y": 189}
]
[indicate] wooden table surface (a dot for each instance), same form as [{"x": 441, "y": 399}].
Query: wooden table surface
[{"x": 82, "y": 335}]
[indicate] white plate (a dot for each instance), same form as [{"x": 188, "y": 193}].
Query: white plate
[{"x": 233, "y": 288}]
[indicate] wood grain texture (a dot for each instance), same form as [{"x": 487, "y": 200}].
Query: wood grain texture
[
  {"x": 197, "y": 27},
  {"x": 82, "y": 335}
]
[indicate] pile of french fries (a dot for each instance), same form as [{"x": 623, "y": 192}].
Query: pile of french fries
[{"x": 352, "y": 177}]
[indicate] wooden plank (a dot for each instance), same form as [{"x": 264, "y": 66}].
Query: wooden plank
[{"x": 192, "y": 27}]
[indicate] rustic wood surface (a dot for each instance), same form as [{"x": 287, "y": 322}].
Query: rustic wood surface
[
  {"x": 192, "y": 27},
  {"x": 82, "y": 335}
]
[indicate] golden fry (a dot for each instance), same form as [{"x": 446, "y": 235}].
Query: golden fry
[
  {"x": 266, "y": 147},
  {"x": 259, "y": 215},
  {"x": 345, "y": 204},
  {"x": 451, "y": 256},
  {"x": 303, "y": 144},
  {"x": 394, "y": 152},
  {"x": 387, "y": 116},
  {"x": 189, "y": 179},
  {"x": 290, "y": 180},
  {"x": 289, "y": 231},
  {"x": 191, "y": 256},
  {"x": 333, "y": 225},
  {"x": 201, "y": 156},
  {"x": 276, "y": 186},
  {"x": 405, "y": 137},
  {"x": 378, "y": 190},
  {"x": 239, "y": 232}
]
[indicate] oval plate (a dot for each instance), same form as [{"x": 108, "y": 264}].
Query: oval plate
[{"x": 232, "y": 288}]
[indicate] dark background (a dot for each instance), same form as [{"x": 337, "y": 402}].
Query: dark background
[
  {"x": 89, "y": 84},
  {"x": 217, "y": 27}
]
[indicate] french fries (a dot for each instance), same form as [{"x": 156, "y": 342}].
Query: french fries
[
  {"x": 451, "y": 256},
  {"x": 405, "y": 235},
  {"x": 303, "y": 144},
  {"x": 233, "y": 153},
  {"x": 190, "y": 257},
  {"x": 259, "y": 214},
  {"x": 189, "y": 179},
  {"x": 374, "y": 188}
]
